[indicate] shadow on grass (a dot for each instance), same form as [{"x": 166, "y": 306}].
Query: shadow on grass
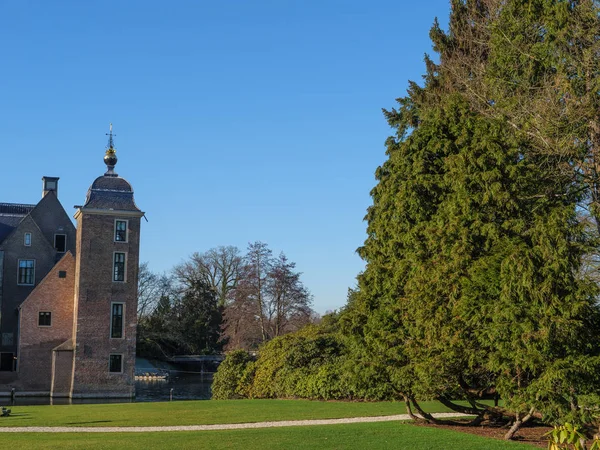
[{"x": 84, "y": 423}]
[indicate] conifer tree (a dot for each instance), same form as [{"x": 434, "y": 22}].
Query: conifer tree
[
  {"x": 536, "y": 64},
  {"x": 473, "y": 285}
]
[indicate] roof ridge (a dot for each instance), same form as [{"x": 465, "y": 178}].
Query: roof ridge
[
  {"x": 16, "y": 208},
  {"x": 18, "y": 204}
]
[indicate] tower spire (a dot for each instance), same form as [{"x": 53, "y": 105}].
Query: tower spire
[
  {"x": 110, "y": 157},
  {"x": 111, "y": 144}
]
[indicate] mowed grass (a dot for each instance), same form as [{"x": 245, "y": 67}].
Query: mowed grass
[
  {"x": 203, "y": 412},
  {"x": 372, "y": 436}
]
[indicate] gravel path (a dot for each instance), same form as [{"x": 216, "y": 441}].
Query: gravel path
[{"x": 228, "y": 426}]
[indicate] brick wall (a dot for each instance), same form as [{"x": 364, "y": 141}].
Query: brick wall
[
  {"x": 55, "y": 295},
  {"x": 13, "y": 294},
  {"x": 95, "y": 293},
  {"x": 62, "y": 375},
  {"x": 8, "y": 380},
  {"x": 46, "y": 219}
]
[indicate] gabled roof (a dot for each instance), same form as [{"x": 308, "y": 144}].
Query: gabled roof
[
  {"x": 48, "y": 215},
  {"x": 11, "y": 215},
  {"x": 64, "y": 263}
]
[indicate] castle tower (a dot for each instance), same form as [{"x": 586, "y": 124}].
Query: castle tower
[{"x": 106, "y": 276}]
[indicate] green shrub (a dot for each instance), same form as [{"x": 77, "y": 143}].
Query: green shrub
[
  {"x": 232, "y": 376},
  {"x": 314, "y": 363}
]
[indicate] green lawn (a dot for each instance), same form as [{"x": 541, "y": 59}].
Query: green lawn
[
  {"x": 204, "y": 412},
  {"x": 371, "y": 436}
]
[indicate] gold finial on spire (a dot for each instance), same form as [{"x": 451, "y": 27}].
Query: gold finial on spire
[{"x": 110, "y": 158}]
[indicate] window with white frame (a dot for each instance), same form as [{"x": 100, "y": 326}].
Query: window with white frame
[
  {"x": 116, "y": 320},
  {"x": 26, "y": 273},
  {"x": 27, "y": 240},
  {"x": 119, "y": 266},
  {"x": 115, "y": 363},
  {"x": 120, "y": 230}
]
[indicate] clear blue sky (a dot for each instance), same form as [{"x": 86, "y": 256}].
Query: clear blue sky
[{"x": 236, "y": 121}]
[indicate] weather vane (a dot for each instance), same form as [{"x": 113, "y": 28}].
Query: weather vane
[{"x": 110, "y": 138}]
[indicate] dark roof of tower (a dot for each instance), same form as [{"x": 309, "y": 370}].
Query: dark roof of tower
[
  {"x": 111, "y": 192},
  {"x": 112, "y": 183},
  {"x": 11, "y": 215}
]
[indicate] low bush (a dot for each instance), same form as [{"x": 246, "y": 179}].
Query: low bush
[
  {"x": 231, "y": 375},
  {"x": 314, "y": 363}
]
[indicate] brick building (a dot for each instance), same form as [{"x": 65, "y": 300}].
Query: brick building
[{"x": 68, "y": 296}]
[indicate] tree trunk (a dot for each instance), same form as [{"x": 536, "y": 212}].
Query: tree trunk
[
  {"x": 518, "y": 423},
  {"x": 261, "y": 311},
  {"x": 409, "y": 409},
  {"x": 459, "y": 408},
  {"x": 428, "y": 417}
]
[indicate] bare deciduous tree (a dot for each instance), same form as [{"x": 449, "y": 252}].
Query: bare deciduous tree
[
  {"x": 269, "y": 300},
  {"x": 218, "y": 268},
  {"x": 288, "y": 301},
  {"x": 257, "y": 264},
  {"x": 151, "y": 287},
  {"x": 259, "y": 297}
]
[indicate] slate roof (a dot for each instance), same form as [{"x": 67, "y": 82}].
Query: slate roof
[
  {"x": 15, "y": 209},
  {"x": 11, "y": 215},
  {"x": 111, "y": 192}
]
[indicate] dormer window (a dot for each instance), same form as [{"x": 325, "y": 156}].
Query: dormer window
[
  {"x": 50, "y": 184},
  {"x": 60, "y": 243},
  {"x": 120, "y": 231},
  {"x": 27, "y": 240}
]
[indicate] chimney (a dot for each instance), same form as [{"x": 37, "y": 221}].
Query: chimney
[{"x": 49, "y": 184}]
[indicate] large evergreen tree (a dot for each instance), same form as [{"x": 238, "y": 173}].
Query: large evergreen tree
[
  {"x": 536, "y": 64},
  {"x": 473, "y": 285}
]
